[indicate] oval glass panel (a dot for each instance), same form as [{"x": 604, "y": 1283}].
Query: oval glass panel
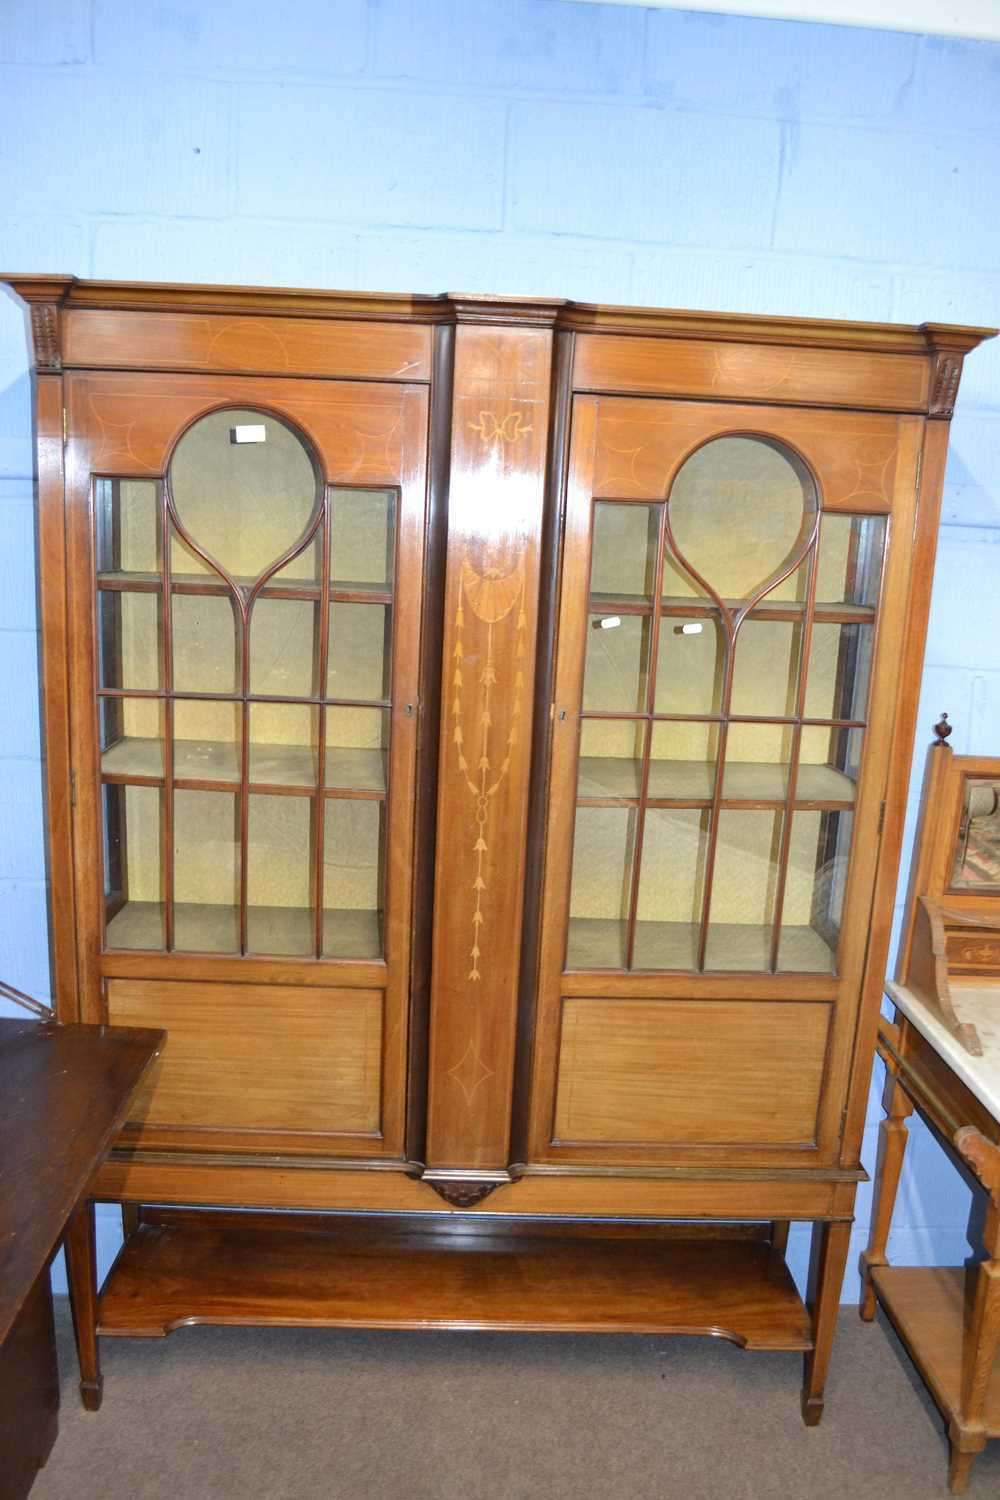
[
  {"x": 741, "y": 511},
  {"x": 245, "y": 489}
]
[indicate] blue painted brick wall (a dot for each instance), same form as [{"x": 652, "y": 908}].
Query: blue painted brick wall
[{"x": 531, "y": 146}]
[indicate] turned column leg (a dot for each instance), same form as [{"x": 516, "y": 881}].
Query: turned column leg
[
  {"x": 81, "y": 1270},
  {"x": 892, "y": 1139},
  {"x": 981, "y": 1341},
  {"x": 830, "y": 1244}
]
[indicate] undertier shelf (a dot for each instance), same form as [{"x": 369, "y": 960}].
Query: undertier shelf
[
  {"x": 282, "y": 930},
  {"x": 451, "y": 1272},
  {"x": 214, "y": 763},
  {"x": 608, "y": 778},
  {"x": 929, "y": 1306},
  {"x": 599, "y": 943}
]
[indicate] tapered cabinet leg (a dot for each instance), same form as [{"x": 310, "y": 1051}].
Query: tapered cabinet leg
[
  {"x": 893, "y": 1136},
  {"x": 830, "y": 1244},
  {"x": 779, "y": 1234},
  {"x": 81, "y": 1271}
]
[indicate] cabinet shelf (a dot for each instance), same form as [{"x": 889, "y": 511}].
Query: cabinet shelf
[
  {"x": 698, "y": 608},
  {"x": 180, "y": 1268},
  {"x": 611, "y": 781},
  {"x": 599, "y": 943},
  {"x": 346, "y": 591},
  {"x": 283, "y": 930},
  {"x": 215, "y": 764}
]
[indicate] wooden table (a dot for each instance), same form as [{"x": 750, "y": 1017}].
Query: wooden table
[
  {"x": 64, "y": 1092},
  {"x": 948, "y": 1317}
]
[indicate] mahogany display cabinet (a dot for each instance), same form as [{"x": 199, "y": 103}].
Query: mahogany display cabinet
[{"x": 477, "y": 733}]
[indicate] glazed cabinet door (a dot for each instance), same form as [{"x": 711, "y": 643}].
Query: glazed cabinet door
[
  {"x": 245, "y": 583},
  {"x": 731, "y": 611}
]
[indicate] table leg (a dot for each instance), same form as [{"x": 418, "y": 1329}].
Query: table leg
[
  {"x": 81, "y": 1271},
  {"x": 892, "y": 1139},
  {"x": 981, "y": 1343},
  {"x": 830, "y": 1243},
  {"x": 779, "y": 1234}
]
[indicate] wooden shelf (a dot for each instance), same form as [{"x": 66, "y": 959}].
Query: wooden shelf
[
  {"x": 612, "y": 780},
  {"x": 342, "y": 590},
  {"x": 928, "y": 1307},
  {"x": 832, "y": 613},
  {"x": 207, "y": 764},
  {"x": 182, "y": 1268},
  {"x": 283, "y": 930},
  {"x": 599, "y": 943}
]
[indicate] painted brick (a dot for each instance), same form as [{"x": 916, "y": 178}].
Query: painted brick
[
  {"x": 17, "y": 565},
  {"x": 972, "y": 478},
  {"x": 958, "y": 297},
  {"x": 494, "y": 263},
  {"x": 24, "y": 937},
  {"x": 208, "y": 250},
  {"x": 769, "y": 284},
  {"x": 880, "y": 195},
  {"x": 373, "y": 157},
  {"x": 22, "y": 829},
  {"x": 309, "y": 36},
  {"x": 45, "y": 31},
  {"x": 783, "y": 70},
  {"x": 20, "y": 694},
  {"x": 643, "y": 174},
  {"x": 968, "y": 563},
  {"x": 958, "y": 83},
  {"x": 43, "y": 243},
  {"x": 561, "y": 48},
  {"x": 113, "y": 143}
]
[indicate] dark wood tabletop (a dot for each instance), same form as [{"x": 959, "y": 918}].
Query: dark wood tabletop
[{"x": 64, "y": 1091}]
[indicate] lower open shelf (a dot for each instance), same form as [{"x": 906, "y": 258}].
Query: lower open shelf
[
  {"x": 183, "y": 1267},
  {"x": 929, "y": 1306}
]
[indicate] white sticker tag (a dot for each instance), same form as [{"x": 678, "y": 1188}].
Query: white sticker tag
[
  {"x": 608, "y": 622},
  {"x": 248, "y": 434},
  {"x": 692, "y": 629}
]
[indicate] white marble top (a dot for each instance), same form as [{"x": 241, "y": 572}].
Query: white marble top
[{"x": 981, "y": 1006}]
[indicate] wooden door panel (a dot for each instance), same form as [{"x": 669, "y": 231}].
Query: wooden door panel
[
  {"x": 663, "y": 1073},
  {"x": 245, "y": 1062}
]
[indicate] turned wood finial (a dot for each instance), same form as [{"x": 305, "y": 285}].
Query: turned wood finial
[{"x": 942, "y": 729}]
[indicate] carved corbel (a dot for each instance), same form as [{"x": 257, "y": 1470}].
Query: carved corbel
[
  {"x": 947, "y": 372},
  {"x": 45, "y": 337}
]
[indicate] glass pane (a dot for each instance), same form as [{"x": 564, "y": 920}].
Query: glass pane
[
  {"x": 284, "y": 648},
  {"x": 284, "y": 741},
  {"x": 360, "y": 651},
  {"x": 133, "y": 867},
  {"x": 129, "y": 640},
  {"x": 206, "y": 872},
  {"x": 610, "y": 757},
  {"x": 850, "y": 561},
  {"x": 818, "y": 855},
  {"x": 743, "y": 890},
  {"x": 131, "y": 737},
  {"x": 205, "y": 635},
  {"x": 279, "y": 876},
  {"x": 689, "y": 665},
  {"x": 244, "y": 488},
  {"x": 357, "y": 748},
  {"x": 766, "y": 673},
  {"x": 304, "y": 571},
  {"x": 741, "y": 509},
  {"x": 603, "y": 851},
  {"x": 616, "y": 673},
  {"x": 829, "y": 764},
  {"x": 671, "y": 885},
  {"x": 757, "y": 760},
  {"x": 840, "y": 663},
  {"x": 623, "y": 559},
  {"x": 977, "y": 855},
  {"x": 683, "y": 760},
  {"x": 208, "y": 739},
  {"x": 353, "y": 878},
  {"x": 127, "y": 525},
  {"x": 362, "y": 540}
]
